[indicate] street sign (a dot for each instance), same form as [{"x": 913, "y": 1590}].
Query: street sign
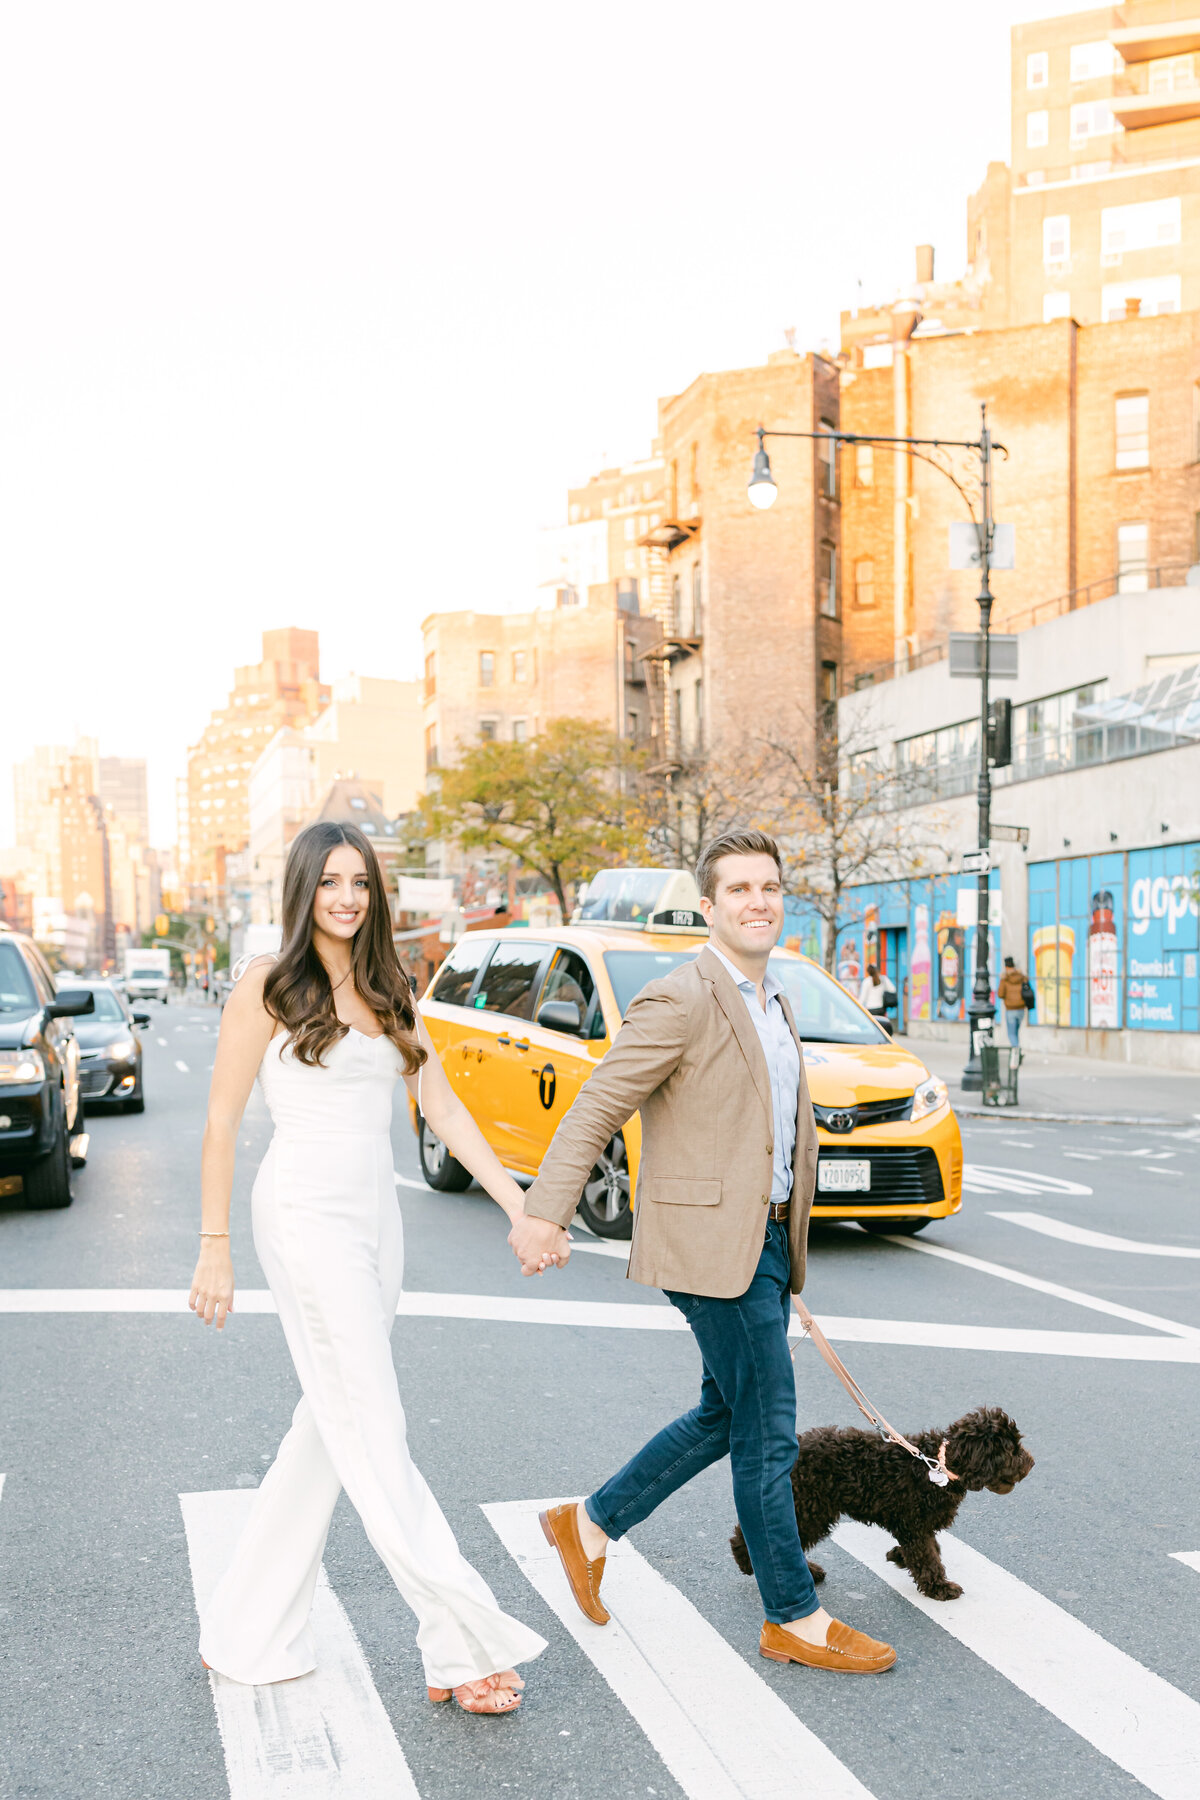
[
  {"x": 976, "y": 862},
  {"x": 1010, "y": 834},
  {"x": 964, "y": 546},
  {"x": 966, "y": 655}
]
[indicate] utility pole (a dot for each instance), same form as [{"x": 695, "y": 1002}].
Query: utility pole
[{"x": 981, "y": 1013}]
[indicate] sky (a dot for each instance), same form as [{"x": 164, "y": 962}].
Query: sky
[{"x": 311, "y": 314}]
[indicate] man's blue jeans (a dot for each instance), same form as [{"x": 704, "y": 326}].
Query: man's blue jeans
[
  {"x": 1014, "y": 1018},
  {"x": 747, "y": 1412}
]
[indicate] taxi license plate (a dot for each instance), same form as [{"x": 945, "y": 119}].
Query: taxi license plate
[{"x": 844, "y": 1177}]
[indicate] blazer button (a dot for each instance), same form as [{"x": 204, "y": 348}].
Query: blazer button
[{"x": 764, "y": 1199}]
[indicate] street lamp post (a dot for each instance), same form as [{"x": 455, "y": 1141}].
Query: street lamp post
[{"x": 763, "y": 492}]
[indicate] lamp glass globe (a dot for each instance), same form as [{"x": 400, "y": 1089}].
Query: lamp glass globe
[{"x": 762, "y": 492}]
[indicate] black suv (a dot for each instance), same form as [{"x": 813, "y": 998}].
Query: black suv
[{"x": 39, "y": 1074}]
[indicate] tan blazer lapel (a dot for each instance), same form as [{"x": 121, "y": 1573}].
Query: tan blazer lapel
[{"x": 730, "y": 1001}]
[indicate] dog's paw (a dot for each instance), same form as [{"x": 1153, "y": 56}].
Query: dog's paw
[
  {"x": 815, "y": 1570},
  {"x": 941, "y": 1590},
  {"x": 896, "y": 1555}
]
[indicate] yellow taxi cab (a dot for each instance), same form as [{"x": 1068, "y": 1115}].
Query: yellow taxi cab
[{"x": 520, "y": 1018}]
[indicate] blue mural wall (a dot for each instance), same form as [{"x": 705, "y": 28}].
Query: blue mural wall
[
  {"x": 911, "y": 930},
  {"x": 1113, "y": 940}
]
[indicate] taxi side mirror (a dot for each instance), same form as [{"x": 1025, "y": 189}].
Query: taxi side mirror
[
  {"x": 71, "y": 1005},
  {"x": 560, "y": 1015}
]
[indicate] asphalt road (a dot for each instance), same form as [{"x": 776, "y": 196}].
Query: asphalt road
[{"x": 1070, "y": 1668}]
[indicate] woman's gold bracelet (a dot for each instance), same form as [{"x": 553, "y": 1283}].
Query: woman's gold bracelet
[{"x": 214, "y": 1234}]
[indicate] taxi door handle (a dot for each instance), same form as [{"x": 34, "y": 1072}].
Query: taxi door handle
[
  {"x": 522, "y": 1044},
  {"x": 504, "y": 1040}
]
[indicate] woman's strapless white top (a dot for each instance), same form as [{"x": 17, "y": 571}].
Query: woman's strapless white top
[{"x": 349, "y": 1095}]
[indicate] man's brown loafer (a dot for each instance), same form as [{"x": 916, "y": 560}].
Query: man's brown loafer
[
  {"x": 844, "y": 1648},
  {"x": 562, "y": 1530}
]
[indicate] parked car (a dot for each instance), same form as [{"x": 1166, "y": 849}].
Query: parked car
[
  {"x": 521, "y": 1018},
  {"x": 110, "y": 1053},
  {"x": 40, "y": 1106}
]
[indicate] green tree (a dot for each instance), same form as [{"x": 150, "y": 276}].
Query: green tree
[{"x": 553, "y": 804}]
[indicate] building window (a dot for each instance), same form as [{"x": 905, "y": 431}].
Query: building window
[
  {"x": 627, "y": 594},
  {"x": 487, "y": 667},
  {"x": 1172, "y": 74},
  {"x": 1143, "y": 226},
  {"x": 1133, "y": 431},
  {"x": 864, "y": 582},
  {"x": 676, "y": 603},
  {"x": 698, "y": 711},
  {"x": 519, "y": 731},
  {"x": 1153, "y": 293},
  {"x": 631, "y": 725},
  {"x": 520, "y": 665},
  {"x": 827, "y": 584},
  {"x": 827, "y": 454},
  {"x": 1037, "y": 130},
  {"x": 631, "y": 528},
  {"x": 431, "y": 750},
  {"x": 487, "y": 731},
  {"x": 1037, "y": 69},
  {"x": 697, "y": 601},
  {"x": 1196, "y": 537},
  {"x": 1091, "y": 118},
  {"x": 1056, "y": 238},
  {"x": 430, "y": 675},
  {"x": 1091, "y": 62},
  {"x": 1055, "y": 306},
  {"x": 1133, "y": 556},
  {"x": 864, "y": 465},
  {"x": 829, "y": 693},
  {"x": 677, "y": 716}
]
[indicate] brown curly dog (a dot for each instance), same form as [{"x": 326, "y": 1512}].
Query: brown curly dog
[{"x": 844, "y": 1473}]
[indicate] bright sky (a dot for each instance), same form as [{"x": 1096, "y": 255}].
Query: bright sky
[{"x": 311, "y": 313}]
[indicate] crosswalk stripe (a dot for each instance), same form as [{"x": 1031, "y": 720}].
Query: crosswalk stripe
[
  {"x": 1092, "y": 1240},
  {"x": 628, "y": 1316},
  {"x": 1132, "y": 1716},
  {"x": 723, "y": 1733},
  {"x": 1018, "y": 1276},
  {"x": 1190, "y": 1558},
  {"x": 324, "y": 1736}
]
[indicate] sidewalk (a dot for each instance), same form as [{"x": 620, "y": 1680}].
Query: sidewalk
[{"x": 1073, "y": 1087}]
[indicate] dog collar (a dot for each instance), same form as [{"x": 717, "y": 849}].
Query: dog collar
[{"x": 939, "y": 1474}]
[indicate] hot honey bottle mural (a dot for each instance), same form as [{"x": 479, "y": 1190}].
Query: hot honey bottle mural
[
  {"x": 921, "y": 966},
  {"x": 1103, "y": 1007},
  {"x": 951, "y": 943}
]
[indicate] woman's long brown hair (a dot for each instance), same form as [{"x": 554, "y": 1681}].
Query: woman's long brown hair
[{"x": 298, "y": 991}]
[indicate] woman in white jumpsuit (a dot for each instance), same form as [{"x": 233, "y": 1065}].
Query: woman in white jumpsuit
[{"x": 329, "y": 1028}]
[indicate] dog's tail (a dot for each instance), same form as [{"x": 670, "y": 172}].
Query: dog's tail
[{"x": 741, "y": 1555}]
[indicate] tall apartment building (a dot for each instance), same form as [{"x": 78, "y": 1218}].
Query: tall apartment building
[
  {"x": 283, "y": 689},
  {"x": 61, "y": 827},
  {"x": 602, "y": 543},
  {"x": 122, "y": 790},
  {"x": 502, "y": 676},
  {"x": 751, "y": 629}
]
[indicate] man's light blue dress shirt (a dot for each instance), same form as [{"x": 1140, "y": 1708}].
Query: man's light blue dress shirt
[{"x": 783, "y": 1067}]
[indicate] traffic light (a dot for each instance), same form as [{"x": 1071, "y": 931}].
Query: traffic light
[
  {"x": 1000, "y": 733},
  {"x": 162, "y": 925},
  {"x": 210, "y": 925}
]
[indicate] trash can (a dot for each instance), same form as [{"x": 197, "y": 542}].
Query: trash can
[{"x": 999, "y": 1064}]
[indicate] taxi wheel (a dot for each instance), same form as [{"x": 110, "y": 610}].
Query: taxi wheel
[
  {"x": 437, "y": 1165},
  {"x": 895, "y": 1227},
  {"x": 604, "y": 1204}
]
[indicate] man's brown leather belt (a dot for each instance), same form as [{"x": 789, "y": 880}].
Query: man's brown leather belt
[{"x": 779, "y": 1209}]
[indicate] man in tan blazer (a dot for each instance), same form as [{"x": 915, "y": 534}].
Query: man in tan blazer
[{"x": 711, "y": 1057}]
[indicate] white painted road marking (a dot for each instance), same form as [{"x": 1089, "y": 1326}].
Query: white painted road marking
[
  {"x": 501, "y": 1309},
  {"x": 1190, "y": 1557},
  {"x": 161, "y": 1041},
  {"x": 322, "y": 1737},
  {"x": 983, "y": 1178},
  {"x": 1092, "y": 1240},
  {"x": 1050, "y": 1287},
  {"x": 1132, "y": 1716},
  {"x": 182, "y": 1067},
  {"x": 720, "y": 1730},
  {"x": 422, "y": 1187}
]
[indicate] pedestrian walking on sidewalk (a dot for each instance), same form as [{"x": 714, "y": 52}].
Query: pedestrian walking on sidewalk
[
  {"x": 328, "y": 1027},
  {"x": 710, "y": 1056},
  {"x": 1015, "y": 995},
  {"x": 876, "y": 992}
]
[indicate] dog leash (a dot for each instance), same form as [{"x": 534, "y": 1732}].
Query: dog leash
[{"x": 939, "y": 1474}]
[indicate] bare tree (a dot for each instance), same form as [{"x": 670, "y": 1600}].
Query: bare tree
[
  {"x": 703, "y": 794},
  {"x": 840, "y": 813}
]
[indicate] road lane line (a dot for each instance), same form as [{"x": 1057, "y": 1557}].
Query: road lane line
[
  {"x": 182, "y": 1067},
  {"x": 723, "y": 1733},
  {"x": 1092, "y": 1240},
  {"x": 1049, "y": 1287},
  {"x": 161, "y": 1041},
  {"x": 1191, "y": 1558},
  {"x": 1132, "y": 1716},
  {"x": 989, "y": 1178},
  {"x": 321, "y": 1737}
]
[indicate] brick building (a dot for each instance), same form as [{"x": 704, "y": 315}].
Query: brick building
[{"x": 285, "y": 688}]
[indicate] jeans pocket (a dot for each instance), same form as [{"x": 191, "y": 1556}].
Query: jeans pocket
[{"x": 687, "y": 1304}]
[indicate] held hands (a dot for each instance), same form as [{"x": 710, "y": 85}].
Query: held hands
[
  {"x": 539, "y": 1244},
  {"x": 211, "y": 1298}
]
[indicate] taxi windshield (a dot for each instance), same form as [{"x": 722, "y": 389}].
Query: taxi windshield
[
  {"x": 824, "y": 1012},
  {"x": 626, "y": 896}
]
